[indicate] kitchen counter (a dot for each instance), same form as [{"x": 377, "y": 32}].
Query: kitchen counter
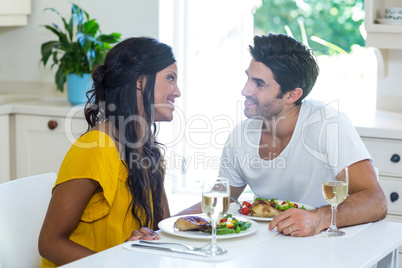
[
  {"x": 41, "y": 98},
  {"x": 43, "y": 106},
  {"x": 379, "y": 124},
  {"x": 35, "y": 98}
]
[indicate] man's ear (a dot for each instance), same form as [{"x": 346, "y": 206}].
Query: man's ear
[{"x": 294, "y": 95}]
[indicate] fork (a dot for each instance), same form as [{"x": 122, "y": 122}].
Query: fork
[
  {"x": 237, "y": 202},
  {"x": 166, "y": 243}
]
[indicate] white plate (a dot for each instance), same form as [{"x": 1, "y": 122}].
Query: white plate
[
  {"x": 167, "y": 225},
  {"x": 389, "y": 21},
  {"x": 234, "y": 208}
]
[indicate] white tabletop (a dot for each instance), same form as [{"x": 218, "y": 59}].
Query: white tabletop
[{"x": 363, "y": 246}]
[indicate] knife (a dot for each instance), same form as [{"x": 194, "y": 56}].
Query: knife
[{"x": 198, "y": 253}]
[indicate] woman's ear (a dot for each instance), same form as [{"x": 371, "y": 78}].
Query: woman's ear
[
  {"x": 294, "y": 95},
  {"x": 139, "y": 83}
]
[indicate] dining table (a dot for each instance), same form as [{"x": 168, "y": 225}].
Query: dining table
[{"x": 366, "y": 245}]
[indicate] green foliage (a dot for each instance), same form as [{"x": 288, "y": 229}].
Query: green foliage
[
  {"x": 80, "y": 47},
  {"x": 335, "y": 21}
]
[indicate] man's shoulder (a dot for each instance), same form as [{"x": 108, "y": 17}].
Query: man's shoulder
[{"x": 312, "y": 109}]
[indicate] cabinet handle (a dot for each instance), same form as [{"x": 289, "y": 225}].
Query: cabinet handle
[
  {"x": 395, "y": 158},
  {"x": 52, "y": 124},
  {"x": 394, "y": 196}
]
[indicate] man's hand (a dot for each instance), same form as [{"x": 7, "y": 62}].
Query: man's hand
[
  {"x": 145, "y": 234},
  {"x": 299, "y": 222}
]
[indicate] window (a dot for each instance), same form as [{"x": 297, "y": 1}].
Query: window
[{"x": 210, "y": 39}]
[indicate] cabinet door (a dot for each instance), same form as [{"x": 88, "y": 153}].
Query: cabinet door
[
  {"x": 43, "y": 141},
  {"x": 4, "y": 148}
]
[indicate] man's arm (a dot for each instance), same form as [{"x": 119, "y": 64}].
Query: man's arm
[
  {"x": 366, "y": 203},
  {"x": 196, "y": 209}
]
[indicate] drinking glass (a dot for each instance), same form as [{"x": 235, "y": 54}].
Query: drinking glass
[
  {"x": 215, "y": 204},
  {"x": 335, "y": 190}
]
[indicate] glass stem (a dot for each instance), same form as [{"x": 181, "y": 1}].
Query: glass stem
[
  {"x": 213, "y": 242},
  {"x": 333, "y": 219}
]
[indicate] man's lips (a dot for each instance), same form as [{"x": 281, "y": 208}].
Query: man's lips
[{"x": 249, "y": 102}]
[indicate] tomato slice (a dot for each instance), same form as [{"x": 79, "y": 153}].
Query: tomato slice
[
  {"x": 246, "y": 204},
  {"x": 223, "y": 220},
  {"x": 245, "y": 210}
]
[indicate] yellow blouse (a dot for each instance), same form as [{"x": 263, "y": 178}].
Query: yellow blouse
[{"x": 107, "y": 220}]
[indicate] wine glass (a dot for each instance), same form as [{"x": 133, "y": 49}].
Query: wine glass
[
  {"x": 215, "y": 204},
  {"x": 335, "y": 190}
]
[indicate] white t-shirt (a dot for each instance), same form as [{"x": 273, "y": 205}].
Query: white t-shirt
[{"x": 322, "y": 135}]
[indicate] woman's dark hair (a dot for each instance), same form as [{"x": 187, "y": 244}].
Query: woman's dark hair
[
  {"x": 292, "y": 63},
  {"x": 113, "y": 98}
]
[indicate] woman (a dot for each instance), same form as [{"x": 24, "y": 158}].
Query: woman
[{"x": 110, "y": 184}]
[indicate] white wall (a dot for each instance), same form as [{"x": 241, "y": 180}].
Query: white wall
[{"x": 20, "y": 46}]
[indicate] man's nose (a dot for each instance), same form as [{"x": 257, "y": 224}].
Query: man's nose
[{"x": 247, "y": 89}]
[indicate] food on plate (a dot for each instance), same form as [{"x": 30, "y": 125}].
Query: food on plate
[
  {"x": 192, "y": 223},
  {"x": 230, "y": 225},
  {"x": 263, "y": 208},
  {"x": 246, "y": 204},
  {"x": 227, "y": 225},
  {"x": 267, "y": 208},
  {"x": 245, "y": 210}
]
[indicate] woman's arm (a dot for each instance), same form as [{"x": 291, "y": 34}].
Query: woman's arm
[
  {"x": 146, "y": 233},
  {"x": 65, "y": 210}
]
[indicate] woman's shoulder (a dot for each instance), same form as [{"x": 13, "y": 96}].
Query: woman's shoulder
[{"x": 100, "y": 136}]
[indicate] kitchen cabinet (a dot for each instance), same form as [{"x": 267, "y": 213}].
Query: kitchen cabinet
[
  {"x": 4, "y": 148},
  {"x": 41, "y": 142},
  {"x": 14, "y": 12},
  {"x": 382, "y": 36},
  {"x": 381, "y": 132},
  {"x": 386, "y": 39},
  {"x": 387, "y": 155}
]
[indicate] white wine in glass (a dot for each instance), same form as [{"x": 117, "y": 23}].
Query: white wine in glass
[
  {"x": 335, "y": 190},
  {"x": 215, "y": 204}
]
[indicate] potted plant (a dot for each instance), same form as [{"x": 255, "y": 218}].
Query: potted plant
[{"x": 79, "y": 49}]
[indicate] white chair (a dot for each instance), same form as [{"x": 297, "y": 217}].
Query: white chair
[{"x": 23, "y": 205}]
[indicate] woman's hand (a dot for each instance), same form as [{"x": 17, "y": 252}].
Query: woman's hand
[{"x": 145, "y": 234}]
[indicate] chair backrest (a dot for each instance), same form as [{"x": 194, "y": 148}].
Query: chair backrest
[{"x": 23, "y": 205}]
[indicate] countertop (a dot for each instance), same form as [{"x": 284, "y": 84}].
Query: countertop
[
  {"x": 35, "y": 98},
  {"x": 363, "y": 246},
  {"x": 42, "y": 98},
  {"x": 378, "y": 124}
]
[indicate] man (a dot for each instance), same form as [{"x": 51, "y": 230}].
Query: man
[{"x": 282, "y": 149}]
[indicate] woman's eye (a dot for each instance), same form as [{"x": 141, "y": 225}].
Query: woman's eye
[{"x": 171, "y": 78}]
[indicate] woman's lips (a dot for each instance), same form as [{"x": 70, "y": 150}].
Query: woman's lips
[{"x": 171, "y": 103}]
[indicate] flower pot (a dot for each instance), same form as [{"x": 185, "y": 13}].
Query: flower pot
[{"x": 77, "y": 87}]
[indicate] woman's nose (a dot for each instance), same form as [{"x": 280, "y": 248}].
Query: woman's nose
[{"x": 176, "y": 92}]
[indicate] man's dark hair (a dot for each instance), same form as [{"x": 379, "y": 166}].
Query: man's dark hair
[{"x": 292, "y": 63}]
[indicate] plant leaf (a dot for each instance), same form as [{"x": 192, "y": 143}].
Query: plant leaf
[
  {"x": 77, "y": 14},
  {"x": 110, "y": 38},
  {"x": 47, "y": 50},
  {"x": 60, "y": 78},
  {"x": 62, "y": 36}
]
